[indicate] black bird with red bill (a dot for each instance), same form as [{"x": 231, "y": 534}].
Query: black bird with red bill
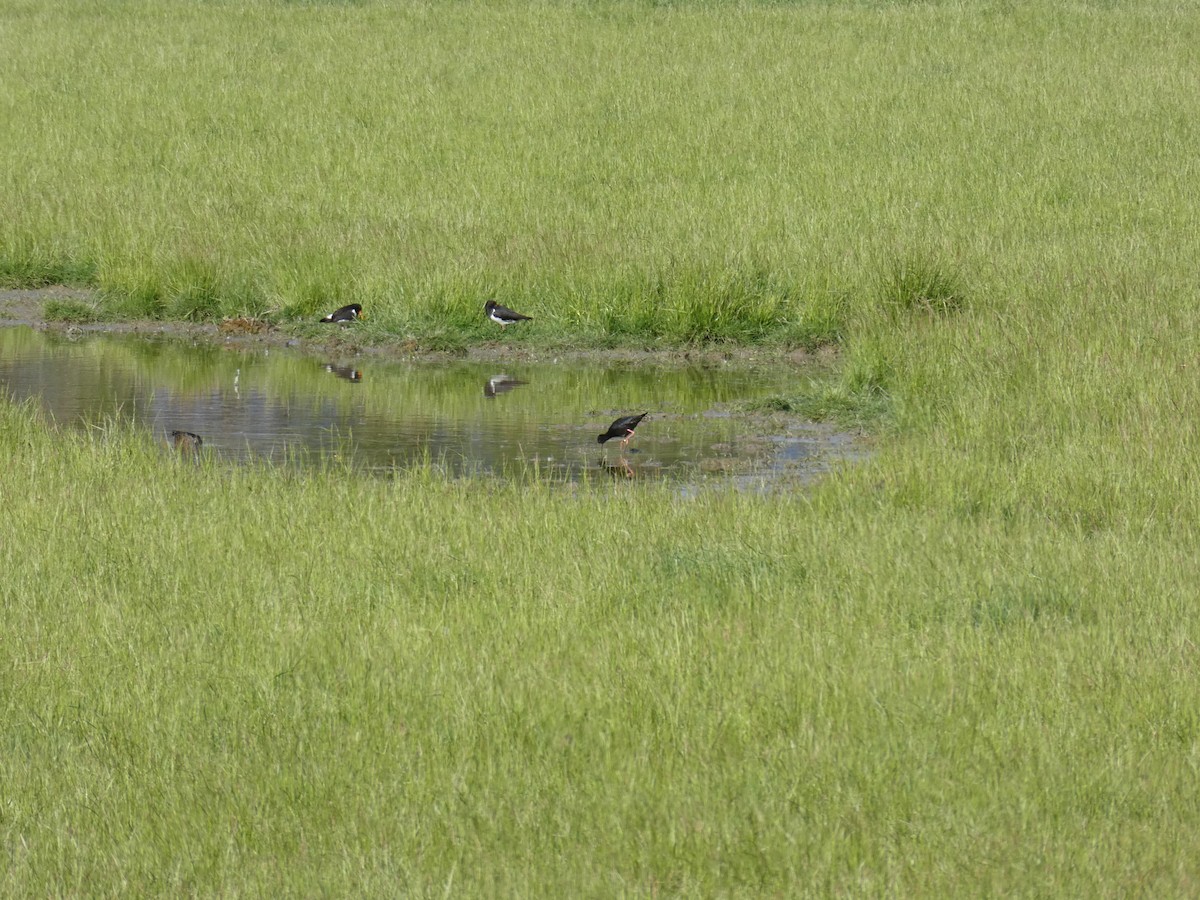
[{"x": 622, "y": 428}]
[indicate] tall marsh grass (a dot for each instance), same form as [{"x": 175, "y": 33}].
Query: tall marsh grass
[
  {"x": 256, "y": 681},
  {"x": 691, "y": 171}
]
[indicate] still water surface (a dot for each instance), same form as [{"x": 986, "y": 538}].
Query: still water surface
[{"x": 469, "y": 417}]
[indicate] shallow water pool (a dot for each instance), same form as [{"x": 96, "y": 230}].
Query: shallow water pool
[{"x": 516, "y": 419}]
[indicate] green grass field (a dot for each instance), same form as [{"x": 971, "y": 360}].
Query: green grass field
[
  {"x": 719, "y": 170},
  {"x": 965, "y": 666},
  {"x": 249, "y": 682}
]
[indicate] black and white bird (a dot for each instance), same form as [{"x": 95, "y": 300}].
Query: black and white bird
[
  {"x": 502, "y": 315},
  {"x": 623, "y": 428},
  {"x": 350, "y": 313}
]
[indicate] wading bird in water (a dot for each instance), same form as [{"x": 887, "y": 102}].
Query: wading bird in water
[
  {"x": 623, "y": 428},
  {"x": 186, "y": 442}
]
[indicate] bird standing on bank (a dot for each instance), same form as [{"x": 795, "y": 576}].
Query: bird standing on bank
[
  {"x": 502, "y": 315},
  {"x": 351, "y": 313},
  {"x": 623, "y": 428}
]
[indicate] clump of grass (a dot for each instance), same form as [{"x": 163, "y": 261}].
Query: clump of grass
[
  {"x": 733, "y": 303},
  {"x": 697, "y": 304},
  {"x": 144, "y": 301},
  {"x": 870, "y": 366},
  {"x": 446, "y": 340},
  {"x": 862, "y": 408},
  {"x": 36, "y": 268},
  {"x": 194, "y": 291},
  {"x": 194, "y": 288},
  {"x": 135, "y": 291},
  {"x": 923, "y": 284},
  {"x": 637, "y": 305},
  {"x": 820, "y": 322},
  {"x": 76, "y": 312},
  {"x": 860, "y": 396}
]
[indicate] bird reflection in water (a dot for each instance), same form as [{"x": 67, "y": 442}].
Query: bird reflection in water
[
  {"x": 620, "y": 469},
  {"x": 500, "y": 384},
  {"x": 347, "y": 372}
]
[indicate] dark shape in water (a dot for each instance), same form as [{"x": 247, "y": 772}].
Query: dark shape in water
[
  {"x": 351, "y": 313},
  {"x": 623, "y": 428},
  {"x": 500, "y": 384},
  {"x": 186, "y": 442},
  {"x": 502, "y": 315},
  {"x": 622, "y": 468},
  {"x": 348, "y": 372}
]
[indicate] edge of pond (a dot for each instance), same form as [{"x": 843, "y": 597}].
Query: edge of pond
[{"x": 26, "y": 306}]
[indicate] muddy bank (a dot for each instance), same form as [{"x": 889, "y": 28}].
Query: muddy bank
[{"x": 27, "y": 307}]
